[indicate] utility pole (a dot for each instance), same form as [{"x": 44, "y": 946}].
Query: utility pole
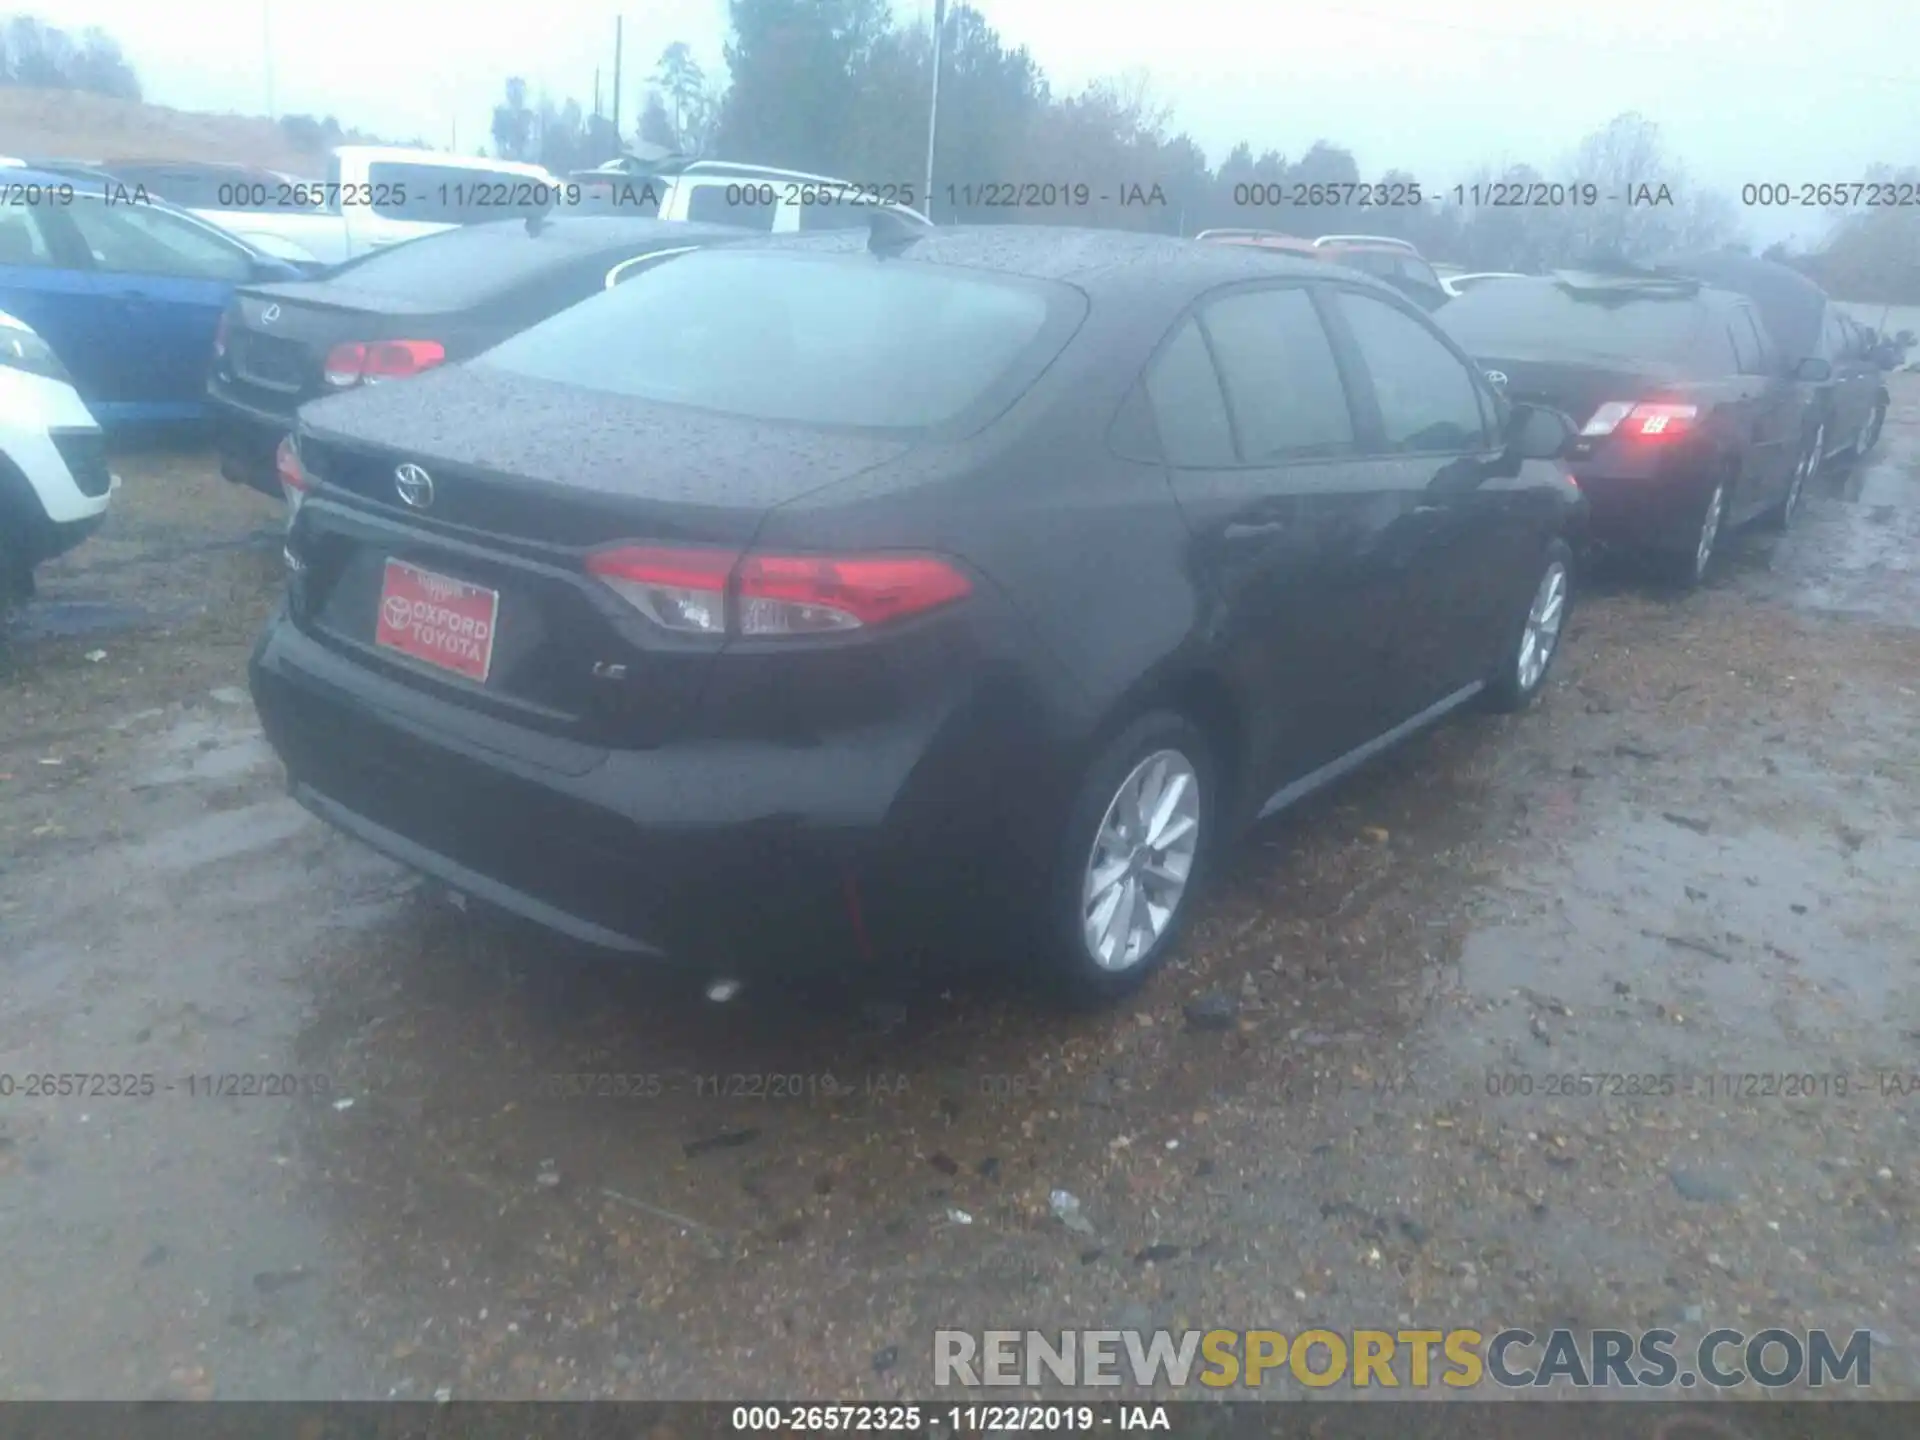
[
  {"x": 266, "y": 49},
  {"x": 617, "y": 24},
  {"x": 596, "y": 92},
  {"x": 933, "y": 107}
]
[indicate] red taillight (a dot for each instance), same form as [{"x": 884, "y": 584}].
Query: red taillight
[
  {"x": 220, "y": 336},
  {"x": 287, "y": 460},
  {"x": 715, "y": 592},
  {"x": 1649, "y": 420},
  {"x": 376, "y": 360},
  {"x": 803, "y": 594},
  {"x": 684, "y": 590}
]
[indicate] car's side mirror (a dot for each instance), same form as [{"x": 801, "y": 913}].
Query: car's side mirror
[
  {"x": 1537, "y": 433},
  {"x": 1813, "y": 370}
]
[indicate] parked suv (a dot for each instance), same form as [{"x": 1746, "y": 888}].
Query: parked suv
[
  {"x": 857, "y": 596},
  {"x": 1690, "y": 419}
]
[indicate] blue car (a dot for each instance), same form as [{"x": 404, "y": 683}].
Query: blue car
[{"x": 127, "y": 289}]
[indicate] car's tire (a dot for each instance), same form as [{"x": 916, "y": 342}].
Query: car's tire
[
  {"x": 1782, "y": 516},
  {"x": 1146, "y": 760},
  {"x": 1527, "y": 659},
  {"x": 1691, "y": 562},
  {"x": 1870, "y": 432}
]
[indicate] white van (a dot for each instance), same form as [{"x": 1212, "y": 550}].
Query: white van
[{"x": 376, "y": 195}]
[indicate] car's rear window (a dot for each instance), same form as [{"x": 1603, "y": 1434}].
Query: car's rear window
[
  {"x": 829, "y": 340},
  {"x": 457, "y": 268},
  {"x": 1522, "y": 316}
]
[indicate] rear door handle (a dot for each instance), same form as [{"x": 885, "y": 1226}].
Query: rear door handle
[{"x": 1240, "y": 531}]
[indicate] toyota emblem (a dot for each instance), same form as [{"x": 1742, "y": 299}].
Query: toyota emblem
[
  {"x": 270, "y": 314},
  {"x": 413, "y": 485},
  {"x": 1497, "y": 378}
]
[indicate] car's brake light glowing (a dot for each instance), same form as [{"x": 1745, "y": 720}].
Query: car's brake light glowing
[
  {"x": 1648, "y": 420},
  {"x": 716, "y": 592},
  {"x": 372, "y": 361}
]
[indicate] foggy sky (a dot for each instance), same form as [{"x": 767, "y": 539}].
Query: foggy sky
[{"x": 1744, "y": 90}]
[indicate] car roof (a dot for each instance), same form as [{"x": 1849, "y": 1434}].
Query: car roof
[
  {"x": 1599, "y": 288},
  {"x": 1095, "y": 261},
  {"x": 1264, "y": 240},
  {"x": 27, "y": 175}
]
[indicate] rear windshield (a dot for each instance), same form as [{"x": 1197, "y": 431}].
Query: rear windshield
[
  {"x": 1521, "y": 317},
  {"x": 457, "y": 268},
  {"x": 821, "y": 340}
]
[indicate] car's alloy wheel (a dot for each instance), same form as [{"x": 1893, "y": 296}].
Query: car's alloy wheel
[
  {"x": 1870, "y": 433},
  {"x": 1709, "y": 535},
  {"x": 1542, "y": 633},
  {"x": 1808, "y": 467},
  {"x": 1521, "y": 671},
  {"x": 1142, "y": 860}
]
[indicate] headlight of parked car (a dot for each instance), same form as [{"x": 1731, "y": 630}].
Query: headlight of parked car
[{"x": 24, "y": 350}]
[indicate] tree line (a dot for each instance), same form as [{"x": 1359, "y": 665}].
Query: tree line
[{"x": 42, "y": 56}]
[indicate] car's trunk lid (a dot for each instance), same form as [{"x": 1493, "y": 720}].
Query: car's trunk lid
[
  {"x": 526, "y": 478},
  {"x": 278, "y": 337}
]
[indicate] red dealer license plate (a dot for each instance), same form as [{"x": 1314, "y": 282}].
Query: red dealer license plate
[{"x": 442, "y": 621}]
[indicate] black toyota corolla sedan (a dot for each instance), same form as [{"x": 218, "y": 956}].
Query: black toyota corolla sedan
[{"x": 830, "y": 597}]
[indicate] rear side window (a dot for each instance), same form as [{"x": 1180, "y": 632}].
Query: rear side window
[
  {"x": 1746, "y": 345},
  {"x": 145, "y": 240},
  {"x": 1280, "y": 375},
  {"x": 747, "y": 205},
  {"x": 1839, "y": 343},
  {"x": 1748, "y": 322},
  {"x": 1183, "y": 392},
  {"x": 835, "y": 341},
  {"x": 1427, "y": 398}
]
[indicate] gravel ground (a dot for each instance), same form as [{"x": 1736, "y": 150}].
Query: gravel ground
[{"x": 1693, "y": 860}]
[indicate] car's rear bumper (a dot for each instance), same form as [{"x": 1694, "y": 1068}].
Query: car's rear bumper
[
  {"x": 246, "y": 439},
  {"x": 742, "y": 857}
]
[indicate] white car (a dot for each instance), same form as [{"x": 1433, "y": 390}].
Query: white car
[
  {"x": 377, "y": 195},
  {"x": 54, "y": 483},
  {"x": 752, "y": 197}
]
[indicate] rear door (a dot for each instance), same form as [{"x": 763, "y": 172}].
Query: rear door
[
  {"x": 1468, "y": 541},
  {"x": 1260, "y": 437},
  {"x": 1775, "y": 407},
  {"x": 166, "y": 280},
  {"x": 1856, "y": 381}
]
